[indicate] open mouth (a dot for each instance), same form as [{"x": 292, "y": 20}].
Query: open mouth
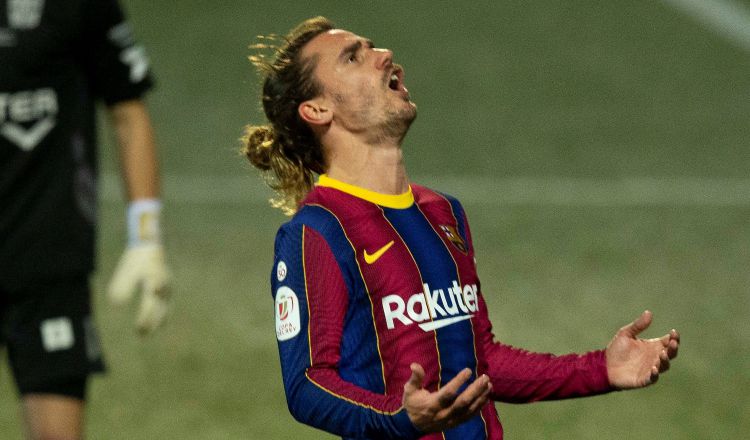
[
  {"x": 396, "y": 80},
  {"x": 393, "y": 83}
]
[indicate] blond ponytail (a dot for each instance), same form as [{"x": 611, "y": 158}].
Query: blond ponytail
[
  {"x": 286, "y": 150},
  {"x": 288, "y": 177}
]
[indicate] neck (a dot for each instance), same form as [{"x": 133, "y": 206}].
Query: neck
[{"x": 376, "y": 167}]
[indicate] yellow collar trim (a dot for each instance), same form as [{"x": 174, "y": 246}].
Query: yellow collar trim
[{"x": 398, "y": 201}]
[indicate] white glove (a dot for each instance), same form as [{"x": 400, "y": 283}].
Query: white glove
[{"x": 143, "y": 267}]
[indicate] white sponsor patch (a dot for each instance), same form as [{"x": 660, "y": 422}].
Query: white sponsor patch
[
  {"x": 432, "y": 309},
  {"x": 57, "y": 334},
  {"x": 281, "y": 271},
  {"x": 287, "y": 314}
]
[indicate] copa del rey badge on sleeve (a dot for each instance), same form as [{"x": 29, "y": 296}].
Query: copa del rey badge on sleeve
[
  {"x": 287, "y": 314},
  {"x": 287, "y": 308}
]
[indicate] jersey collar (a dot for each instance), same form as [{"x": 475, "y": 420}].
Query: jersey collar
[{"x": 398, "y": 201}]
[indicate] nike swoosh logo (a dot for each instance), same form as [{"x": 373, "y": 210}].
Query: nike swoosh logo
[
  {"x": 434, "y": 325},
  {"x": 371, "y": 258}
]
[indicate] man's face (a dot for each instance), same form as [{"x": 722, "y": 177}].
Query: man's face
[{"x": 363, "y": 87}]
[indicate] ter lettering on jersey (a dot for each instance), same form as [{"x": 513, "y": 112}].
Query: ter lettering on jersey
[{"x": 26, "y": 117}]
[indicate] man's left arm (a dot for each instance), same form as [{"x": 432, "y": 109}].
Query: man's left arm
[
  {"x": 628, "y": 362},
  {"x": 119, "y": 74},
  {"x": 137, "y": 149},
  {"x": 519, "y": 375},
  {"x": 142, "y": 266}
]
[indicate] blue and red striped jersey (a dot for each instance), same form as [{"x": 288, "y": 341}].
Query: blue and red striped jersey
[{"x": 366, "y": 284}]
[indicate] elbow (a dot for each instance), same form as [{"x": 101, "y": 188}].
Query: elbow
[
  {"x": 298, "y": 407},
  {"x": 297, "y": 410}
]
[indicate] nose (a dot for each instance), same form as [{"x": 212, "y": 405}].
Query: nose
[{"x": 384, "y": 58}]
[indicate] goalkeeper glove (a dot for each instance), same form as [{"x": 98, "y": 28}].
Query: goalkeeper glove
[{"x": 142, "y": 266}]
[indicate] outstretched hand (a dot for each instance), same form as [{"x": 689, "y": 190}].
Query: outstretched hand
[
  {"x": 445, "y": 408},
  {"x": 636, "y": 363}
]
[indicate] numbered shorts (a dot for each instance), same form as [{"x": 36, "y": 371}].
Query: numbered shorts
[{"x": 49, "y": 335}]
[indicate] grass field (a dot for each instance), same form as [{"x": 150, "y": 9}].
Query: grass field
[{"x": 540, "y": 116}]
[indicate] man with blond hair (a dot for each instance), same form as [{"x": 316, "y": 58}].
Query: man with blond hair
[{"x": 381, "y": 323}]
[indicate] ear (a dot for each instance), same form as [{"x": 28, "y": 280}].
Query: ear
[{"x": 315, "y": 112}]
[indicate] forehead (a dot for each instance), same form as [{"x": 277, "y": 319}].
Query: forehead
[{"x": 327, "y": 46}]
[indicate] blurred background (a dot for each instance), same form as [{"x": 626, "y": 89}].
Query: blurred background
[{"x": 600, "y": 150}]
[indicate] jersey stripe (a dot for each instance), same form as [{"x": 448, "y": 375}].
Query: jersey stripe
[
  {"x": 354, "y": 335},
  {"x": 421, "y": 282},
  {"x": 475, "y": 428}
]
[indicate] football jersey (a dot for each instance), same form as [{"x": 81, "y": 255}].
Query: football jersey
[
  {"x": 365, "y": 284},
  {"x": 58, "y": 59}
]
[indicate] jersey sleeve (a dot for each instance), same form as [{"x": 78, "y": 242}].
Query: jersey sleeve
[
  {"x": 520, "y": 376},
  {"x": 117, "y": 67},
  {"x": 311, "y": 299}
]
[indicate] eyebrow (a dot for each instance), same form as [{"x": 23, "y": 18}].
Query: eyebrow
[{"x": 354, "y": 47}]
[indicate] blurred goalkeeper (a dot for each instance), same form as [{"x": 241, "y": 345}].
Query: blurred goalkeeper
[
  {"x": 382, "y": 326},
  {"x": 58, "y": 60}
]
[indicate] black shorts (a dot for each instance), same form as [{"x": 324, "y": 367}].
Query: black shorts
[{"x": 49, "y": 334}]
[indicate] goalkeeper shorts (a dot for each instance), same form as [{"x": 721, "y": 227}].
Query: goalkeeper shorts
[{"x": 50, "y": 336}]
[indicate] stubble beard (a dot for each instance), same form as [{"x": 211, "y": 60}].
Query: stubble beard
[{"x": 394, "y": 126}]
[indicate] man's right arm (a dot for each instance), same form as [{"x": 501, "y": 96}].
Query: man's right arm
[{"x": 311, "y": 300}]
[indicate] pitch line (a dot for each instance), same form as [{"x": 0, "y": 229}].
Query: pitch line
[
  {"x": 624, "y": 192},
  {"x": 728, "y": 18}
]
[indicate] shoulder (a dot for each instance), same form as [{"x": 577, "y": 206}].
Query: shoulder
[
  {"x": 426, "y": 195},
  {"x": 316, "y": 216},
  {"x": 431, "y": 199},
  {"x": 311, "y": 218}
]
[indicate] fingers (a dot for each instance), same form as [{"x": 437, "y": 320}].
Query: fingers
[
  {"x": 468, "y": 403},
  {"x": 445, "y": 408},
  {"x": 663, "y": 361},
  {"x": 636, "y": 327},
  {"x": 151, "y": 315},
  {"x": 143, "y": 268},
  {"x": 483, "y": 398},
  {"x": 654, "y": 375},
  {"x": 661, "y": 365},
  {"x": 674, "y": 335},
  {"x": 123, "y": 283},
  {"x": 671, "y": 343},
  {"x": 153, "y": 309},
  {"x": 672, "y": 349},
  {"x": 415, "y": 381},
  {"x": 446, "y": 399},
  {"x": 674, "y": 343},
  {"x": 448, "y": 393},
  {"x": 473, "y": 397}
]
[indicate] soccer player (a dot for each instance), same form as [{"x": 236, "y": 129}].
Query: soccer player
[
  {"x": 381, "y": 323},
  {"x": 58, "y": 59}
]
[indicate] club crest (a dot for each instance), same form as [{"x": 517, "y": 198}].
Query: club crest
[{"x": 454, "y": 237}]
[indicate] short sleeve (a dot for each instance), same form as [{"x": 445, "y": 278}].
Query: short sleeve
[{"x": 117, "y": 66}]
